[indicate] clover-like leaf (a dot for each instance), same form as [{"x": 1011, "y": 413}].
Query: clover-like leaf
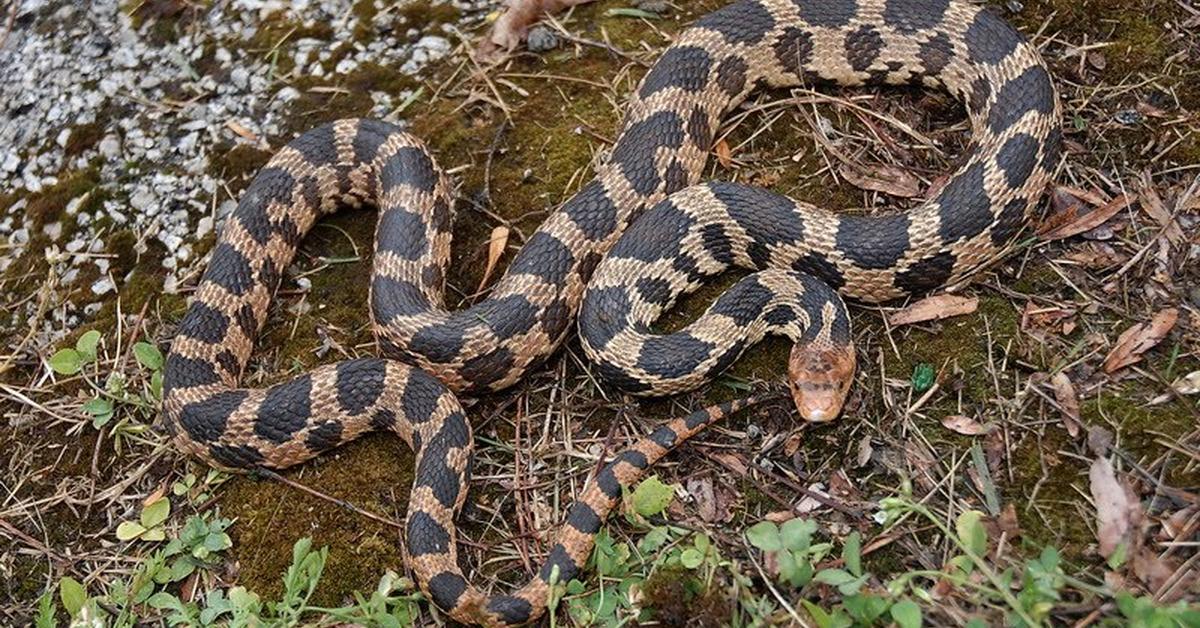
[
  {"x": 129, "y": 530},
  {"x": 87, "y": 343},
  {"x": 72, "y": 594},
  {"x": 652, "y": 496},
  {"x": 156, "y": 512},
  {"x": 66, "y": 362},
  {"x": 971, "y": 532},
  {"x": 765, "y": 536},
  {"x": 906, "y": 614},
  {"x": 148, "y": 355}
]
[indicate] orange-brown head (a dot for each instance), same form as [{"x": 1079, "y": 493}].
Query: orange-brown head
[{"x": 819, "y": 377}]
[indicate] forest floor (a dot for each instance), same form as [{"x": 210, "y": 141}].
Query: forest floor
[{"x": 1033, "y": 459}]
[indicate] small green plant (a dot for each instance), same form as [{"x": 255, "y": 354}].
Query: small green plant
[
  {"x": 148, "y": 527},
  {"x": 113, "y": 393}
]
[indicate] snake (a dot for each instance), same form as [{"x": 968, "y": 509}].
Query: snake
[{"x": 609, "y": 261}]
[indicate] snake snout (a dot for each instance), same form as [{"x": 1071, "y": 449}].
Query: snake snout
[{"x": 820, "y": 378}]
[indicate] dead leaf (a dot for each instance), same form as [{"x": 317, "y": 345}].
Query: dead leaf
[
  {"x": 245, "y": 133},
  {"x": 934, "y": 308},
  {"x": 733, "y": 462},
  {"x": 511, "y": 28},
  {"x": 1118, "y": 512},
  {"x": 1154, "y": 206},
  {"x": 1153, "y": 570},
  {"x": 711, "y": 502},
  {"x": 1188, "y": 384},
  {"x": 864, "y": 452},
  {"x": 724, "y": 154},
  {"x": 882, "y": 178},
  {"x": 1071, "y": 217},
  {"x": 1068, "y": 401},
  {"x": 1140, "y": 338},
  {"x": 965, "y": 425},
  {"x": 496, "y": 246}
]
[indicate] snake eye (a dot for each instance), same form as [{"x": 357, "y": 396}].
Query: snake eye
[{"x": 819, "y": 379}]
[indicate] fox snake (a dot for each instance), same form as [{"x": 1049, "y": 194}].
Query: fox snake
[{"x": 579, "y": 262}]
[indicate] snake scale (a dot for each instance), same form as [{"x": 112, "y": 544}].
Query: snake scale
[{"x": 804, "y": 257}]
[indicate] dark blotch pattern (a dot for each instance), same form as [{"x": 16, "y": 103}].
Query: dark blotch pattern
[
  {"x": 272, "y": 185},
  {"x": 672, "y": 355},
  {"x": 964, "y": 207},
  {"x": 285, "y": 410},
  {"x": 744, "y": 302},
  {"x": 592, "y": 211},
  {"x": 635, "y": 153},
  {"x": 817, "y": 264},
  {"x": 829, "y": 13},
  {"x": 421, "y": 394},
  {"x": 731, "y": 75},
  {"x": 426, "y": 536},
  {"x": 325, "y": 436},
  {"x": 445, "y": 589},
  {"x": 863, "y": 46},
  {"x": 370, "y": 136},
  {"x": 204, "y": 323},
  {"x": 181, "y": 372},
  {"x": 359, "y": 384},
  {"x": 873, "y": 242},
  {"x": 1031, "y": 91},
  {"x": 793, "y": 50},
  {"x": 655, "y": 235},
  {"x": 583, "y": 518},
  {"x": 401, "y": 233},
  {"x": 742, "y": 23},
  {"x": 927, "y": 274},
  {"x": 1017, "y": 158},
  {"x": 990, "y": 39},
  {"x": 685, "y": 67},
  {"x": 512, "y": 610},
  {"x": 409, "y": 166},
  {"x": 936, "y": 54},
  {"x": 913, "y": 15},
  {"x": 767, "y": 217},
  {"x": 663, "y": 437},
  {"x": 205, "y": 420},
  {"x": 488, "y": 368},
  {"x": 567, "y": 569},
  {"x": 236, "y": 456},
  {"x": 1010, "y": 221},
  {"x": 230, "y": 269},
  {"x": 392, "y": 298},
  {"x": 544, "y": 256},
  {"x": 604, "y": 313}
]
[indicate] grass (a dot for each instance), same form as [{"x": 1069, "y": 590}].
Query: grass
[{"x": 900, "y": 499}]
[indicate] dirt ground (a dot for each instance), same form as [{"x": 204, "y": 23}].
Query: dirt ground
[{"x": 1021, "y": 402}]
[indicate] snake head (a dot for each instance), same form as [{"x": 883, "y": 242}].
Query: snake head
[{"x": 819, "y": 378}]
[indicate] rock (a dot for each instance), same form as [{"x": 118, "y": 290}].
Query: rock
[{"x": 541, "y": 39}]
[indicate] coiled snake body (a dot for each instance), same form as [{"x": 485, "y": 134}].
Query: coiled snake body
[{"x": 688, "y": 233}]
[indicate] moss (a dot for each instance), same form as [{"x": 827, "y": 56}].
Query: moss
[
  {"x": 166, "y": 18},
  {"x": 83, "y": 137},
  {"x": 426, "y": 14},
  {"x": 236, "y": 164},
  {"x": 677, "y": 598},
  {"x": 47, "y": 206},
  {"x": 374, "y": 474}
]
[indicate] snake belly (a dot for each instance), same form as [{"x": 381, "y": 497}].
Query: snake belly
[{"x": 430, "y": 353}]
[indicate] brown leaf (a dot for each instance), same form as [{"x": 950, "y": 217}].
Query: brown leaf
[
  {"x": 1153, "y": 570},
  {"x": 731, "y": 461},
  {"x": 882, "y": 178},
  {"x": 711, "y": 502},
  {"x": 1068, "y": 401},
  {"x": 496, "y": 246},
  {"x": 724, "y": 153},
  {"x": 865, "y": 450},
  {"x": 234, "y": 126},
  {"x": 934, "y": 308},
  {"x": 1071, "y": 217},
  {"x": 965, "y": 426},
  {"x": 1154, "y": 206},
  {"x": 511, "y": 28},
  {"x": 1118, "y": 512},
  {"x": 1140, "y": 338},
  {"x": 1187, "y": 384}
]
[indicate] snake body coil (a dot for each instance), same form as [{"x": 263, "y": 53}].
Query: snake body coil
[{"x": 690, "y": 233}]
